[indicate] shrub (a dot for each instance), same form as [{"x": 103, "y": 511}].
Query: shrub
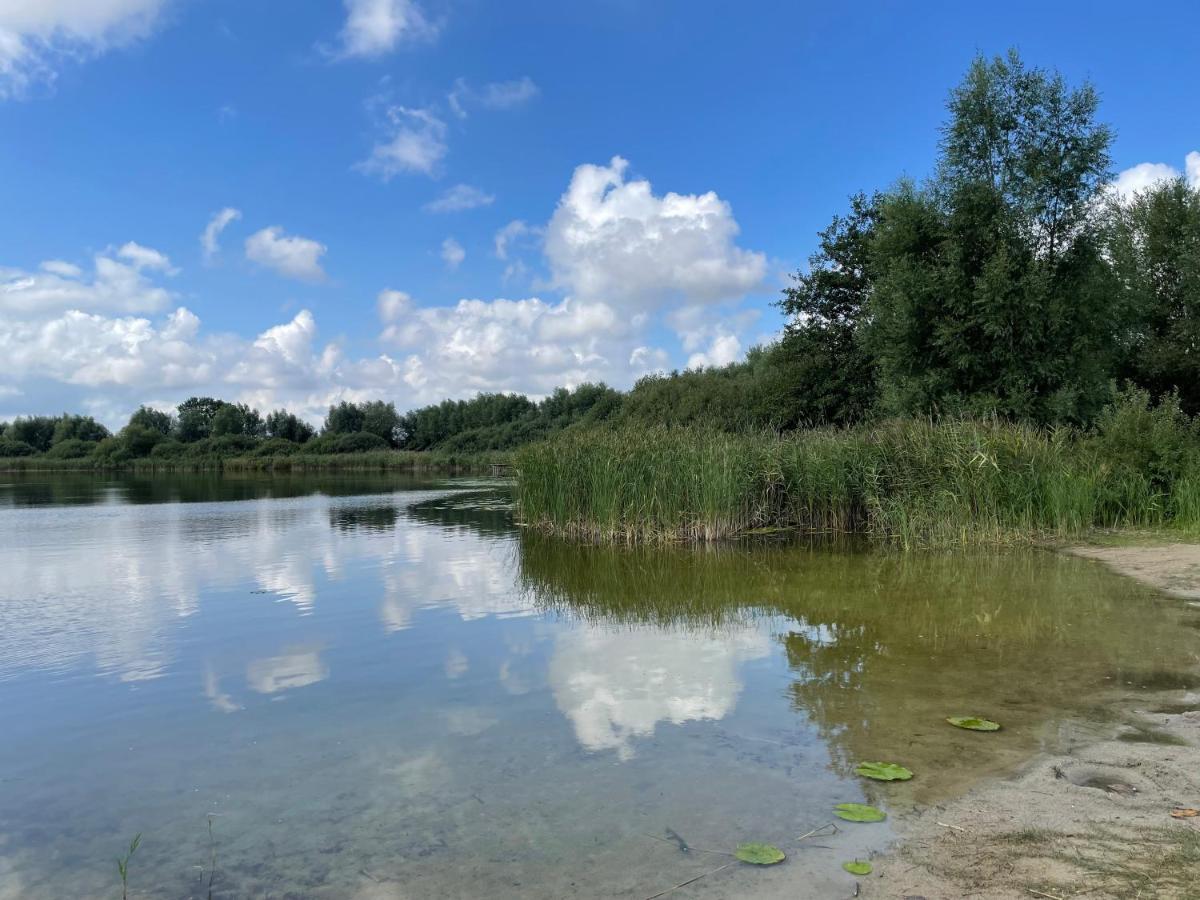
[
  {"x": 10, "y": 448},
  {"x": 71, "y": 448}
]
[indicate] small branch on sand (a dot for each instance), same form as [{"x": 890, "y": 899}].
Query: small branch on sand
[
  {"x": 955, "y": 827},
  {"x": 1043, "y": 894},
  {"x": 689, "y": 881}
]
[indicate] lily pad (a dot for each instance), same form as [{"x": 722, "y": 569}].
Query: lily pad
[
  {"x": 973, "y": 723},
  {"x": 882, "y": 771},
  {"x": 858, "y": 812},
  {"x": 858, "y": 867},
  {"x": 759, "y": 854}
]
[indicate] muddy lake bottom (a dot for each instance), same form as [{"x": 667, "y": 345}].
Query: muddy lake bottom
[{"x": 379, "y": 687}]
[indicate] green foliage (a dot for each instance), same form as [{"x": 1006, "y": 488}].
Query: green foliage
[
  {"x": 881, "y": 771},
  {"x": 1153, "y": 243},
  {"x": 858, "y": 812},
  {"x": 236, "y": 420},
  {"x": 153, "y": 419},
  {"x": 78, "y": 428},
  {"x": 831, "y": 373},
  {"x": 138, "y": 441},
  {"x": 36, "y": 431},
  {"x": 344, "y": 418},
  {"x": 14, "y": 448},
  {"x": 195, "y": 420},
  {"x": 355, "y": 442},
  {"x": 287, "y": 426},
  {"x": 759, "y": 854},
  {"x": 857, "y": 867},
  {"x": 71, "y": 448}
]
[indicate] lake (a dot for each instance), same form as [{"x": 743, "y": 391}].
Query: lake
[{"x": 381, "y": 687}]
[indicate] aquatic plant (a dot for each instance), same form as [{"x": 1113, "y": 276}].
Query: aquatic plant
[{"x": 123, "y": 865}]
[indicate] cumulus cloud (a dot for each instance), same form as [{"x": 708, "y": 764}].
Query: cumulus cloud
[
  {"x": 614, "y": 240},
  {"x": 212, "y": 231},
  {"x": 375, "y": 27},
  {"x": 453, "y": 253},
  {"x": 415, "y": 141},
  {"x": 38, "y": 36},
  {"x": 1145, "y": 175},
  {"x": 118, "y": 282},
  {"x": 459, "y": 198},
  {"x": 289, "y": 255}
]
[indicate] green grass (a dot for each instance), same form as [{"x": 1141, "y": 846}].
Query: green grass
[{"x": 914, "y": 483}]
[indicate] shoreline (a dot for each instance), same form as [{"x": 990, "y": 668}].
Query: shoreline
[{"x": 1094, "y": 821}]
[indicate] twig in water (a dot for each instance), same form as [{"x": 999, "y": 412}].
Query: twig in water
[
  {"x": 689, "y": 881},
  {"x": 212, "y": 864},
  {"x": 818, "y": 830}
]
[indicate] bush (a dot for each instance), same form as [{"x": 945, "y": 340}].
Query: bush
[
  {"x": 360, "y": 442},
  {"x": 111, "y": 452},
  {"x": 10, "y": 448},
  {"x": 277, "y": 447},
  {"x": 71, "y": 448},
  {"x": 169, "y": 449}
]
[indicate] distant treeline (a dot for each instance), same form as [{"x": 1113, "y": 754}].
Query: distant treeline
[{"x": 1012, "y": 284}]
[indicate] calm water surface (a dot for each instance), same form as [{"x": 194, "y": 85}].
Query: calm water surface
[{"x": 380, "y": 688}]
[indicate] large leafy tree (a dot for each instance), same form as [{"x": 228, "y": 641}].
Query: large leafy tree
[
  {"x": 1153, "y": 243},
  {"x": 990, "y": 292},
  {"x": 196, "y": 415},
  {"x": 823, "y": 373}
]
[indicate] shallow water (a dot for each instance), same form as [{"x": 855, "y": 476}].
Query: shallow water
[{"x": 376, "y": 687}]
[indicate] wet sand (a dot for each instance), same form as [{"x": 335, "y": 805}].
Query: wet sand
[{"x": 1096, "y": 821}]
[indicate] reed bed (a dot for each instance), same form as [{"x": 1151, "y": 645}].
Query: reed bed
[{"x": 914, "y": 483}]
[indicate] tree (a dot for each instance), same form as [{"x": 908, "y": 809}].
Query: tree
[
  {"x": 824, "y": 372},
  {"x": 381, "y": 419},
  {"x": 155, "y": 420},
  {"x": 78, "y": 428},
  {"x": 236, "y": 419},
  {"x": 285, "y": 425},
  {"x": 36, "y": 431},
  {"x": 989, "y": 292},
  {"x": 345, "y": 418},
  {"x": 196, "y": 418},
  {"x": 1153, "y": 243}
]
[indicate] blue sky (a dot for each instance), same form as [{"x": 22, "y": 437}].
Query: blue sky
[{"x": 623, "y": 185}]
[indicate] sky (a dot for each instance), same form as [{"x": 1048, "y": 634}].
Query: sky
[{"x": 292, "y": 204}]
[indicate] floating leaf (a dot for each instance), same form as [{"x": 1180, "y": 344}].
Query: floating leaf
[
  {"x": 759, "y": 854},
  {"x": 883, "y": 771},
  {"x": 973, "y": 723},
  {"x": 858, "y": 867},
  {"x": 1185, "y": 812},
  {"x": 858, "y": 812}
]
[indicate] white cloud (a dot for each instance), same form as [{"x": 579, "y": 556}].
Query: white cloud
[
  {"x": 392, "y": 305},
  {"x": 415, "y": 142},
  {"x": 212, "y": 231},
  {"x": 289, "y": 255},
  {"x": 496, "y": 95},
  {"x": 117, "y": 283},
  {"x": 459, "y": 198},
  {"x": 375, "y": 27},
  {"x": 146, "y": 258},
  {"x": 615, "y": 240},
  {"x": 38, "y": 36},
  {"x": 453, "y": 253},
  {"x": 724, "y": 349},
  {"x": 1145, "y": 175},
  {"x": 507, "y": 235}
]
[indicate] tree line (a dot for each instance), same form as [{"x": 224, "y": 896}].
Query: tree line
[{"x": 1011, "y": 282}]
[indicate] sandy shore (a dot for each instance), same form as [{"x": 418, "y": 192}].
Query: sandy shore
[{"x": 1096, "y": 822}]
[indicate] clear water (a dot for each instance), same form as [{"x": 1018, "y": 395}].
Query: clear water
[{"x": 380, "y": 688}]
